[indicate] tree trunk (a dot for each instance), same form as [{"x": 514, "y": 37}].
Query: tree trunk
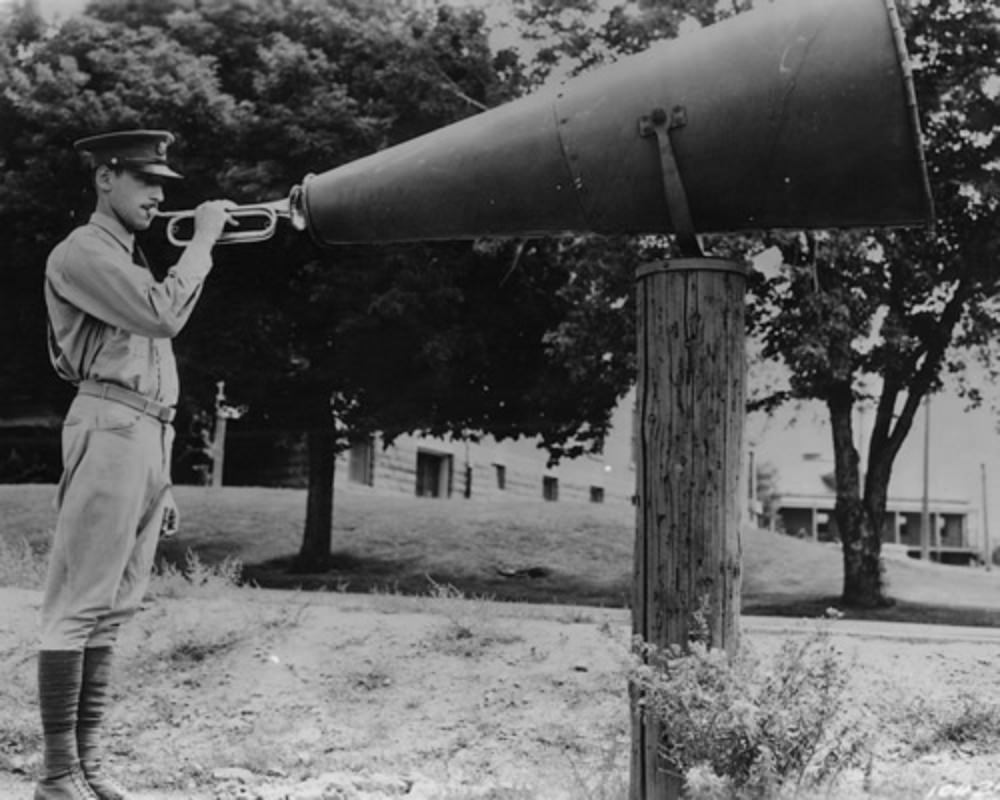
[
  {"x": 691, "y": 413},
  {"x": 314, "y": 555},
  {"x": 860, "y": 534}
]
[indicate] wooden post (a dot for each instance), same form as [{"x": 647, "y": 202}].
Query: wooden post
[
  {"x": 987, "y": 555},
  {"x": 219, "y": 435},
  {"x": 692, "y": 388}
]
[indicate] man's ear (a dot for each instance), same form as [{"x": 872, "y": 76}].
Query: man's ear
[{"x": 103, "y": 176}]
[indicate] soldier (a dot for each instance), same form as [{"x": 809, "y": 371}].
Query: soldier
[{"x": 110, "y": 323}]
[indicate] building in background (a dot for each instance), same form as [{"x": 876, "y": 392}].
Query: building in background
[
  {"x": 807, "y": 496},
  {"x": 963, "y": 460},
  {"x": 492, "y": 469}
]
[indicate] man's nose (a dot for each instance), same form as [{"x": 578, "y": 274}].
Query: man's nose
[{"x": 157, "y": 193}]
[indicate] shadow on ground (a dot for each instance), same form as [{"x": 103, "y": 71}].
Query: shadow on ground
[
  {"x": 780, "y": 605},
  {"x": 348, "y": 572}
]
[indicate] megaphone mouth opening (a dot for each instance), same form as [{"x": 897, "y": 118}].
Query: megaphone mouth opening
[{"x": 899, "y": 39}]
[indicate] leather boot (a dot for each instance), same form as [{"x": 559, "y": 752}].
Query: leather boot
[
  {"x": 71, "y": 786},
  {"x": 105, "y": 787},
  {"x": 60, "y": 674},
  {"x": 93, "y": 701}
]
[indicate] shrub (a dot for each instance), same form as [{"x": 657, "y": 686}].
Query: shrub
[{"x": 744, "y": 728}]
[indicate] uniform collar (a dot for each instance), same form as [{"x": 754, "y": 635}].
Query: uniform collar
[{"x": 124, "y": 237}]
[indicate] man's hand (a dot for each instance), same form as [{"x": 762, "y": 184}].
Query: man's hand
[
  {"x": 170, "y": 521},
  {"x": 211, "y": 217}
]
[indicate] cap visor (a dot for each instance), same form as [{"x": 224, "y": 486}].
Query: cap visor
[{"x": 159, "y": 170}]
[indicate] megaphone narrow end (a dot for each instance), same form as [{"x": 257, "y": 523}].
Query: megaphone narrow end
[{"x": 297, "y": 208}]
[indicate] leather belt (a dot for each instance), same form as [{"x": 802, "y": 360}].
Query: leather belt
[{"x": 127, "y": 397}]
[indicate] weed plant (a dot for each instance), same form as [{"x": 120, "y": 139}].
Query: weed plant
[
  {"x": 972, "y": 725},
  {"x": 21, "y": 564},
  {"x": 745, "y": 728},
  {"x": 195, "y": 577},
  {"x": 20, "y": 733},
  {"x": 472, "y": 626},
  {"x": 969, "y": 724}
]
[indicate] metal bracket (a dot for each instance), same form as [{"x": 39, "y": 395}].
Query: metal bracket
[{"x": 659, "y": 124}]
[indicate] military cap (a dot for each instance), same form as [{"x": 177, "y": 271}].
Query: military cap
[{"x": 138, "y": 151}]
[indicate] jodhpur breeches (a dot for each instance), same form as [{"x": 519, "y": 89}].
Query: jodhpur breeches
[{"x": 116, "y": 469}]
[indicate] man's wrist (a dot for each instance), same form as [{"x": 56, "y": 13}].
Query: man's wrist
[
  {"x": 202, "y": 240},
  {"x": 196, "y": 259}
]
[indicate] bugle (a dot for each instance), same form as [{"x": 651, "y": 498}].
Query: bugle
[{"x": 261, "y": 220}]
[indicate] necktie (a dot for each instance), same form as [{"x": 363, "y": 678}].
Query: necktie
[{"x": 138, "y": 257}]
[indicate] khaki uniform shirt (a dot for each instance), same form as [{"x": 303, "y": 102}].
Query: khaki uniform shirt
[{"x": 109, "y": 319}]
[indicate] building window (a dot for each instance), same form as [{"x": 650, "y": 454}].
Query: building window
[
  {"x": 361, "y": 462},
  {"x": 823, "y": 525},
  {"x": 501, "y": 473},
  {"x": 434, "y": 474},
  {"x": 596, "y": 494},
  {"x": 550, "y": 488}
]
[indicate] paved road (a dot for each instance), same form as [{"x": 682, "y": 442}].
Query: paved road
[{"x": 908, "y": 631}]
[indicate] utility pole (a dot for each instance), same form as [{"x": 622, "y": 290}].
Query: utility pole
[
  {"x": 925, "y": 514},
  {"x": 987, "y": 555}
]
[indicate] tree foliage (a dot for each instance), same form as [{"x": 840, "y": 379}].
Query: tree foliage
[
  {"x": 447, "y": 339},
  {"x": 59, "y": 85}
]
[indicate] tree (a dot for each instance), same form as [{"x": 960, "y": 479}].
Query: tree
[
  {"x": 882, "y": 314},
  {"x": 448, "y": 338}
]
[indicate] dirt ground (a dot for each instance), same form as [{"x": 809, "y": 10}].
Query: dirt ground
[{"x": 252, "y": 694}]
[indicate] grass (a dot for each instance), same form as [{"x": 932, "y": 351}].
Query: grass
[{"x": 398, "y": 544}]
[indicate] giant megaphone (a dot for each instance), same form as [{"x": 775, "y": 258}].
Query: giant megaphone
[{"x": 797, "y": 115}]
